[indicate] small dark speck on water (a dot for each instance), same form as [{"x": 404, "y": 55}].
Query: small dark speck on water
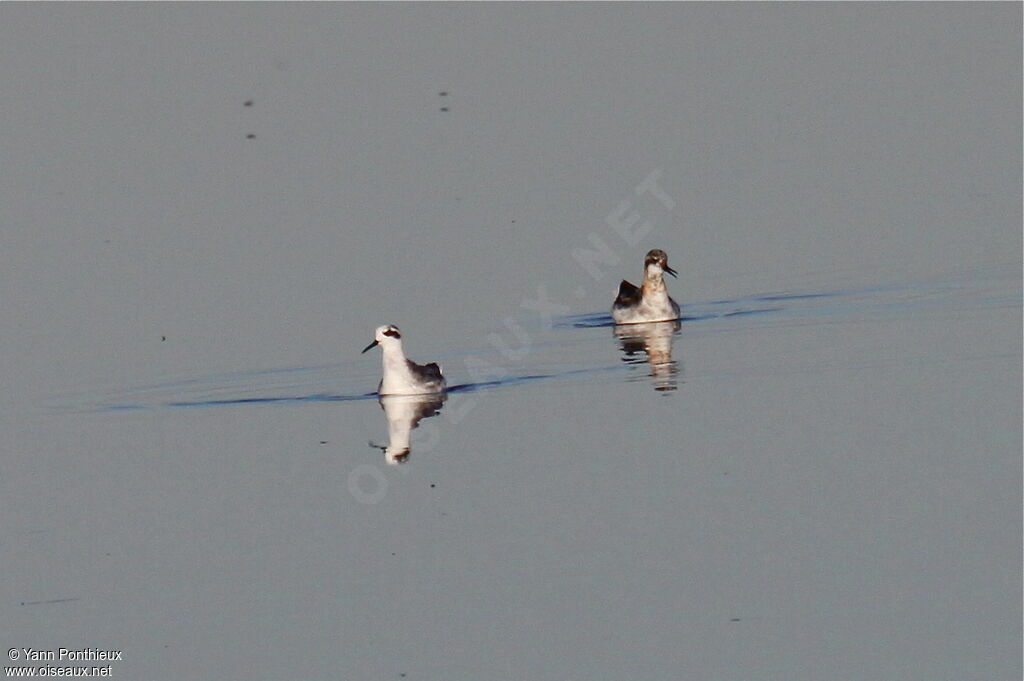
[
  {"x": 250, "y": 136},
  {"x": 444, "y": 108},
  {"x": 163, "y": 338},
  {"x": 735, "y": 619},
  {"x": 323, "y": 442},
  {"x": 443, "y": 94},
  {"x": 432, "y": 485},
  {"x": 248, "y": 102}
]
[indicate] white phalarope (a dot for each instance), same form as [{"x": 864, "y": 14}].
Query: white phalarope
[
  {"x": 651, "y": 301},
  {"x": 402, "y": 376}
]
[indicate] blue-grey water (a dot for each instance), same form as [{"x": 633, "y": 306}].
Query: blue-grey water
[{"x": 205, "y": 211}]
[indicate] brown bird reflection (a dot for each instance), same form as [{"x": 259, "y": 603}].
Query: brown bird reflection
[{"x": 651, "y": 343}]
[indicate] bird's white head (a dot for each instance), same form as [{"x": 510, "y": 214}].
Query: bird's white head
[{"x": 384, "y": 334}]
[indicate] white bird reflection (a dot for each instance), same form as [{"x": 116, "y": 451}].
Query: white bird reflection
[
  {"x": 651, "y": 343},
  {"x": 404, "y": 413}
]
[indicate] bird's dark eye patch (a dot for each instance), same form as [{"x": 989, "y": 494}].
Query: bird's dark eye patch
[
  {"x": 655, "y": 256},
  {"x": 393, "y": 332}
]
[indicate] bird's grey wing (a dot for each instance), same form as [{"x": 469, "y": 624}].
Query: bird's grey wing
[
  {"x": 426, "y": 372},
  {"x": 432, "y": 370},
  {"x": 629, "y": 295}
]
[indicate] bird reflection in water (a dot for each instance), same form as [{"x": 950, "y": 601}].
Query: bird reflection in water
[
  {"x": 404, "y": 413},
  {"x": 651, "y": 343}
]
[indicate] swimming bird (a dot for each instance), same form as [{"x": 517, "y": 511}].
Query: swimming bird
[
  {"x": 651, "y": 301},
  {"x": 402, "y": 376}
]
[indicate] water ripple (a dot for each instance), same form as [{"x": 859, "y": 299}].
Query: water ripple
[{"x": 320, "y": 384}]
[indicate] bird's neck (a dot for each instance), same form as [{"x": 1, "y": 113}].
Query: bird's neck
[
  {"x": 392, "y": 353},
  {"x": 654, "y": 280}
]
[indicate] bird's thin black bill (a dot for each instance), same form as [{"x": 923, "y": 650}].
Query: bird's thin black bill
[{"x": 369, "y": 346}]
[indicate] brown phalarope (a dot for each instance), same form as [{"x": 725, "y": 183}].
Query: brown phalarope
[{"x": 650, "y": 302}]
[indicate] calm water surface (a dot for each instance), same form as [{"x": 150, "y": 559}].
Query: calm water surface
[{"x": 815, "y": 475}]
